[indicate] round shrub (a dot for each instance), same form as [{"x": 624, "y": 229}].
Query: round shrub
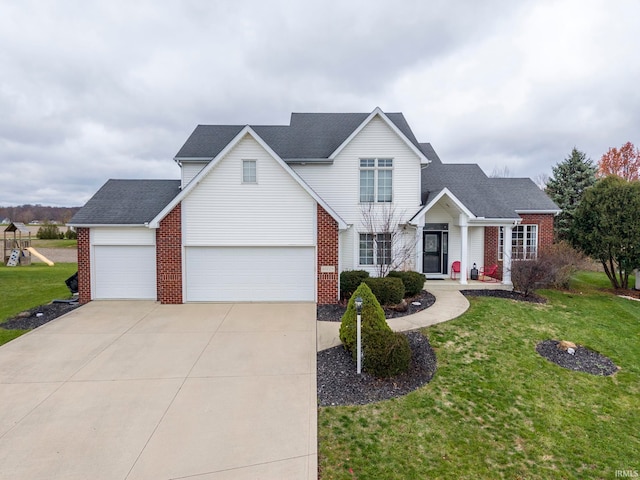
[
  {"x": 350, "y": 280},
  {"x": 413, "y": 281},
  {"x": 386, "y": 354},
  {"x": 388, "y": 290},
  {"x": 372, "y": 318},
  {"x": 48, "y": 231}
]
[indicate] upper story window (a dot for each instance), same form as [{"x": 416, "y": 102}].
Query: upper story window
[
  {"x": 376, "y": 180},
  {"x": 524, "y": 242},
  {"x": 249, "y": 171}
]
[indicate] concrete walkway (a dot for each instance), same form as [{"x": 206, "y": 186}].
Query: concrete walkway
[
  {"x": 137, "y": 390},
  {"x": 450, "y": 304}
]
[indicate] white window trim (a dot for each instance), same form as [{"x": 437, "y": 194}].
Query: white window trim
[
  {"x": 376, "y": 169},
  {"x": 526, "y": 253},
  {"x": 242, "y": 179},
  {"x": 375, "y": 247}
]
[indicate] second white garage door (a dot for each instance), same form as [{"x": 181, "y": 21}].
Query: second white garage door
[{"x": 250, "y": 274}]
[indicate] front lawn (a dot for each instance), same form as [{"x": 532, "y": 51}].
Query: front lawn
[
  {"x": 26, "y": 287},
  {"x": 497, "y": 409}
]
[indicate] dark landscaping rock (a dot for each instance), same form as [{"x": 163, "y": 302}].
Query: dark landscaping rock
[
  {"x": 339, "y": 384},
  {"x": 333, "y": 313},
  {"x": 30, "y": 319},
  {"x": 508, "y": 294},
  {"x": 582, "y": 360}
]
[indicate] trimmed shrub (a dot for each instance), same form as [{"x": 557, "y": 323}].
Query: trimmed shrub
[
  {"x": 373, "y": 318},
  {"x": 386, "y": 354},
  {"x": 71, "y": 234},
  {"x": 350, "y": 280},
  {"x": 388, "y": 290},
  {"x": 413, "y": 281},
  {"x": 48, "y": 231}
]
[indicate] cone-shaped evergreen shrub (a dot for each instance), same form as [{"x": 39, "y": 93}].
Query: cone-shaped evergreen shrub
[
  {"x": 373, "y": 318},
  {"x": 385, "y": 353}
]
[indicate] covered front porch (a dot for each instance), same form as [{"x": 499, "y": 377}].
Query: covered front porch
[{"x": 447, "y": 232}]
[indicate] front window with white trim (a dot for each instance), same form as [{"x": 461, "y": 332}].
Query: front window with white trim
[
  {"x": 376, "y": 180},
  {"x": 249, "y": 171},
  {"x": 375, "y": 249},
  {"x": 524, "y": 242}
]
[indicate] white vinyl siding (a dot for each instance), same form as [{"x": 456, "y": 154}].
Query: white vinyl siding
[
  {"x": 476, "y": 246},
  {"x": 190, "y": 170},
  {"x": 123, "y": 236},
  {"x": 339, "y": 183},
  {"x": 275, "y": 211},
  {"x": 257, "y": 274}
]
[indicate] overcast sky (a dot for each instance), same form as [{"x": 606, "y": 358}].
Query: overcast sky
[{"x": 92, "y": 90}]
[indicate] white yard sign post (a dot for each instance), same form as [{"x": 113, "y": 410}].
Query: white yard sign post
[{"x": 358, "y": 302}]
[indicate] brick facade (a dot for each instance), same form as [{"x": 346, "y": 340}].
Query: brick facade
[
  {"x": 169, "y": 257},
  {"x": 84, "y": 265},
  {"x": 492, "y": 237},
  {"x": 327, "y": 257}
]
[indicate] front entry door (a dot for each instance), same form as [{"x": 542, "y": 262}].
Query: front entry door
[{"x": 434, "y": 255}]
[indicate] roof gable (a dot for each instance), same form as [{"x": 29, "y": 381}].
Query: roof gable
[{"x": 247, "y": 130}]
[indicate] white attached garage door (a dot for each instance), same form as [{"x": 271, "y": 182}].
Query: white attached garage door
[
  {"x": 250, "y": 274},
  {"x": 125, "y": 271}
]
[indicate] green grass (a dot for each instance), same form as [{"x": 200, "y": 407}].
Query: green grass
[
  {"x": 495, "y": 408},
  {"x": 23, "y": 288},
  {"x": 63, "y": 243}
]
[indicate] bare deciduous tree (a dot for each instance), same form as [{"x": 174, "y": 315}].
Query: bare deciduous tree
[{"x": 393, "y": 248}]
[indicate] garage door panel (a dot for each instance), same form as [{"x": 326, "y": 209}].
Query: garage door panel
[
  {"x": 125, "y": 272},
  {"x": 236, "y": 274}
]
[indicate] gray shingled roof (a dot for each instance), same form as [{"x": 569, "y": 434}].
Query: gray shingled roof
[
  {"x": 523, "y": 194},
  {"x": 483, "y": 196},
  {"x": 430, "y": 153},
  {"x": 470, "y": 185},
  {"x": 127, "y": 202},
  {"x": 308, "y": 136}
]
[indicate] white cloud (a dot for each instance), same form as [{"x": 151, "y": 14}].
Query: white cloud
[{"x": 98, "y": 90}]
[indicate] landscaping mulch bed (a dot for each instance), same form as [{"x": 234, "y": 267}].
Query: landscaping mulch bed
[
  {"x": 583, "y": 360},
  {"x": 29, "y": 319},
  {"x": 339, "y": 384},
  {"x": 333, "y": 313},
  {"x": 508, "y": 294}
]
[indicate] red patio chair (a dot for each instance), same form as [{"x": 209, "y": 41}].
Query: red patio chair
[
  {"x": 487, "y": 274},
  {"x": 455, "y": 269}
]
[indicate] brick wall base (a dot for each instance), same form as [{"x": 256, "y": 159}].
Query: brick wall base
[
  {"x": 328, "y": 281},
  {"x": 84, "y": 265},
  {"x": 492, "y": 238},
  {"x": 169, "y": 258}
]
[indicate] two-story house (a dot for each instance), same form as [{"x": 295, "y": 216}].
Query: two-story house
[{"x": 275, "y": 213}]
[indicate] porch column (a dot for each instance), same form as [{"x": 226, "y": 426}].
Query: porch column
[
  {"x": 506, "y": 254},
  {"x": 464, "y": 241}
]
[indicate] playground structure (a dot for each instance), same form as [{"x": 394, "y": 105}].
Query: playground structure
[{"x": 18, "y": 249}]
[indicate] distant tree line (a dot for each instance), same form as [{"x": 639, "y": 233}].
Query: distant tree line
[{"x": 42, "y": 213}]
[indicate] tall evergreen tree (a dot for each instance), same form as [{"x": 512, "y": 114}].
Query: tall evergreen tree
[{"x": 569, "y": 180}]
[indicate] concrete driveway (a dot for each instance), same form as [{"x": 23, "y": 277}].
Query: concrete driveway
[{"x": 138, "y": 390}]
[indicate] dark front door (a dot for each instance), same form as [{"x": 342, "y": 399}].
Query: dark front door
[{"x": 434, "y": 254}]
